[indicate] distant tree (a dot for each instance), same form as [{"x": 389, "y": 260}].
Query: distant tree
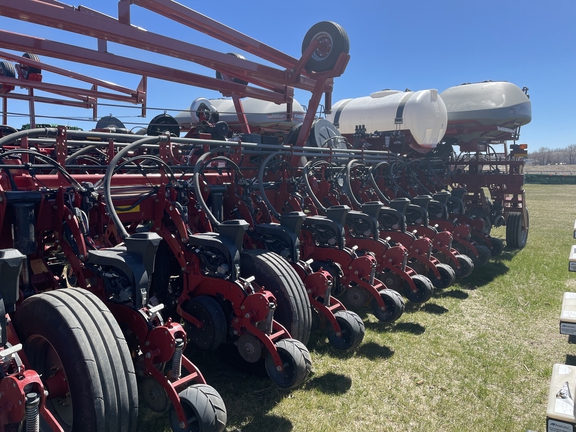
[
  {"x": 541, "y": 156},
  {"x": 571, "y": 153}
]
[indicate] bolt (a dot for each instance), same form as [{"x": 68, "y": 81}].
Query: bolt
[
  {"x": 148, "y": 355},
  {"x": 182, "y": 425},
  {"x": 279, "y": 368},
  {"x": 247, "y": 316},
  {"x": 147, "y": 343}
]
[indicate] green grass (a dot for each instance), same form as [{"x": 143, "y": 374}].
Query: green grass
[{"x": 478, "y": 356}]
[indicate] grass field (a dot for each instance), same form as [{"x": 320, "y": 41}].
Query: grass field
[{"x": 477, "y": 357}]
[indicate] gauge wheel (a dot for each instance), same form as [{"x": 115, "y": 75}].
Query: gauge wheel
[
  {"x": 296, "y": 364},
  {"x": 75, "y": 344},
  {"x": 393, "y": 306},
  {"x": 422, "y": 290},
  {"x": 276, "y": 275},
  {"x": 204, "y": 408},
  {"x": 352, "y": 331},
  {"x": 447, "y": 276}
]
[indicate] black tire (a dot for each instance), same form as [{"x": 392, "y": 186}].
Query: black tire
[
  {"x": 274, "y": 273},
  {"x": 393, "y": 303},
  {"x": 353, "y": 330},
  {"x": 516, "y": 232},
  {"x": 497, "y": 246},
  {"x": 483, "y": 257},
  {"x": 205, "y": 410},
  {"x": 466, "y": 266},
  {"x": 8, "y": 70},
  {"x": 27, "y": 70},
  {"x": 215, "y": 327},
  {"x": 296, "y": 363},
  {"x": 424, "y": 289},
  {"x": 73, "y": 330},
  {"x": 335, "y": 41},
  {"x": 233, "y": 79},
  {"x": 447, "y": 276}
]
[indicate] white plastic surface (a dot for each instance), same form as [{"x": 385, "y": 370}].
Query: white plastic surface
[
  {"x": 259, "y": 113},
  {"x": 560, "y": 410},
  {"x": 568, "y": 314},
  {"x": 424, "y": 114}
]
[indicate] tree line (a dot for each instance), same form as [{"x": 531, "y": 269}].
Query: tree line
[{"x": 546, "y": 156}]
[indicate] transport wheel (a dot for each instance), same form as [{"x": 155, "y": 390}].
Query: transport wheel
[
  {"x": 205, "y": 410},
  {"x": 296, "y": 362},
  {"x": 447, "y": 276},
  {"x": 466, "y": 266},
  {"x": 214, "y": 329},
  {"x": 424, "y": 289},
  {"x": 233, "y": 79},
  {"x": 273, "y": 272},
  {"x": 74, "y": 343},
  {"x": 333, "y": 41},
  {"x": 352, "y": 327},
  {"x": 8, "y": 70},
  {"x": 483, "y": 257},
  {"x": 27, "y": 70},
  {"x": 393, "y": 303},
  {"x": 516, "y": 231}
]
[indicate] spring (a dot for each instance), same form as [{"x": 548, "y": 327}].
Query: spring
[
  {"x": 177, "y": 359},
  {"x": 32, "y": 412}
]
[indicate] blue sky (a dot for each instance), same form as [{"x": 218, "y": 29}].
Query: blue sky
[{"x": 416, "y": 44}]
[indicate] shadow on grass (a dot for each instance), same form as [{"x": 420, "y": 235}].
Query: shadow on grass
[
  {"x": 248, "y": 393},
  {"x": 408, "y": 327},
  {"x": 373, "y": 351},
  {"x": 330, "y": 383},
  {"x": 427, "y": 307},
  {"x": 570, "y": 360},
  {"x": 454, "y": 293},
  {"x": 270, "y": 422},
  {"x": 484, "y": 275}
]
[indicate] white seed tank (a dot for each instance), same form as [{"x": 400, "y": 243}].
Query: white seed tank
[
  {"x": 486, "y": 110},
  {"x": 422, "y": 112},
  {"x": 259, "y": 113}
]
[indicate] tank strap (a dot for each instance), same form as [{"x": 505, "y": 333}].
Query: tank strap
[
  {"x": 400, "y": 111},
  {"x": 339, "y": 111}
]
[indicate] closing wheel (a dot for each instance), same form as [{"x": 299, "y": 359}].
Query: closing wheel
[
  {"x": 393, "y": 306},
  {"x": 352, "y": 330},
  {"x": 423, "y": 289},
  {"x": 296, "y": 363},
  {"x": 74, "y": 343},
  {"x": 273, "y": 272},
  {"x": 517, "y": 230},
  {"x": 447, "y": 276},
  {"x": 333, "y": 41},
  {"x": 204, "y": 408},
  {"x": 497, "y": 246},
  {"x": 466, "y": 266},
  {"x": 483, "y": 257},
  {"x": 214, "y": 324}
]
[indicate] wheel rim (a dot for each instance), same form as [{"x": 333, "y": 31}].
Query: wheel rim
[
  {"x": 46, "y": 361},
  {"x": 423, "y": 290},
  {"x": 325, "y": 47},
  {"x": 287, "y": 376},
  {"x": 351, "y": 331},
  {"x": 393, "y": 304},
  {"x": 447, "y": 276},
  {"x": 210, "y": 314}
]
